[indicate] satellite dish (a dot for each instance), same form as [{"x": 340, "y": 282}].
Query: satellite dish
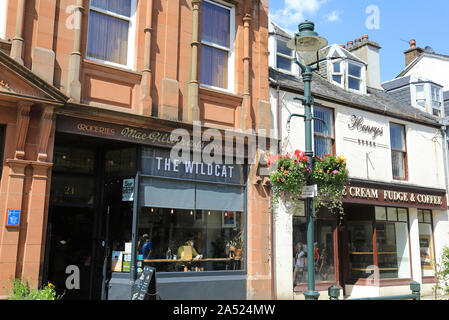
[{"x": 429, "y": 49}]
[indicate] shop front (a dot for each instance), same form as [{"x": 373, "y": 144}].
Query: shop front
[
  {"x": 384, "y": 240},
  {"x": 119, "y": 202},
  {"x": 387, "y": 237}
]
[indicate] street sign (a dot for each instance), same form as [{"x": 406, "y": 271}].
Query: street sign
[
  {"x": 309, "y": 191},
  {"x": 13, "y": 218}
]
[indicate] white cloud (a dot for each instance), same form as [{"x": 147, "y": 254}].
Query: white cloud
[
  {"x": 295, "y": 12},
  {"x": 333, "y": 16}
]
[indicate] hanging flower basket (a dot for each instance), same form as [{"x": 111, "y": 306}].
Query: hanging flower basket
[{"x": 293, "y": 172}]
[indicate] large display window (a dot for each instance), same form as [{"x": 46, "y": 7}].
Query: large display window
[
  {"x": 425, "y": 243},
  {"x": 378, "y": 244},
  {"x": 191, "y": 215},
  {"x": 324, "y": 253}
]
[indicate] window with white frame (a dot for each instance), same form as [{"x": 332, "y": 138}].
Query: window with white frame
[
  {"x": 398, "y": 151},
  {"x": 3, "y": 8},
  {"x": 420, "y": 96},
  {"x": 323, "y": 134},
  {"x": 347, "y": 74},
  {"x": 284, "y": 56},
  {"x": 436, "y": 101},
  {"x": 354, "y": 76},
  {"x": 111, "y": 32},
  {"x": 337, "y": 72},
  {"x": 217, "y": 45}
]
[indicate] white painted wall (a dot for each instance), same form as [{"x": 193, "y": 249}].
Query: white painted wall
[
  {"x": 425, "y": 169},
  {"x": 433, "y": 68}
]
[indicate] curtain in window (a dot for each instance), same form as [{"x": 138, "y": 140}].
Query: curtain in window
[
  {"x": 214, "y": 67},
  {"x": 107, "y": 38},
  {"x": 122, "y": 7},
  {"x": 398, "y": 164},
  {"x": 215, "y": 24}
]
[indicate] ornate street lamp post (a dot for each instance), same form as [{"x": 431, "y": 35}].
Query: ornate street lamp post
[{"x": 306, "y": 44}]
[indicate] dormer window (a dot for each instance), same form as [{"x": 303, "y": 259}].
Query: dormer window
[
  {"x": 436, "y": 101},
  {"x": 284, "y": 56},
  {"x": 420, "y": 96},
  {"x": 337, "y": 74},
  {"x": 348, "y": 74},
  {"x": 354, "y": 77}
]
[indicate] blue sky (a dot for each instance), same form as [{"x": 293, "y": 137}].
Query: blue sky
[{"x": 391, "y": 23}]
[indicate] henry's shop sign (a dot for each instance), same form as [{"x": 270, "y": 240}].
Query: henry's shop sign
[{"x": 390, "y": 195}]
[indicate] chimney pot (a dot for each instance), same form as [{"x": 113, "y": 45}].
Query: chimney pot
[
  {"x": 350, "y": 44},
  {"x": 412, "y": 44},
  {"x": 365, "y": 37},
  {"x": 343, "y": 45}
]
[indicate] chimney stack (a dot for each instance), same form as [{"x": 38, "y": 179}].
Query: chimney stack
[
  {"x": 368, "y": 51},
  {"x": 350, "y": 44},
  {"x": 412, "y": 53}
]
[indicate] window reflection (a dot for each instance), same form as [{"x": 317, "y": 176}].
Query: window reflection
[{"x": 191, "y": 240}]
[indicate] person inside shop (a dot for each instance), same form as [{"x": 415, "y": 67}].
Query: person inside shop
[
  {"x": 146, "y": 246},
  {"x": 316, "y": 255},
  {"x": 188, "y": 251},
  {"x": 299, "y": 265},
  {"x": 190, "y": 243}
]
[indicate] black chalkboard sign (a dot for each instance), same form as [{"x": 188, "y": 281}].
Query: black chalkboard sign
[{"x": 145, "y": 286}]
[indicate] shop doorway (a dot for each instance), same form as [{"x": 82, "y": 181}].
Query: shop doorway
[{"x": 90, "y": 215}]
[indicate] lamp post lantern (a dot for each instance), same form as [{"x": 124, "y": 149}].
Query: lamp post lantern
[{"x": 306, "y": 44}]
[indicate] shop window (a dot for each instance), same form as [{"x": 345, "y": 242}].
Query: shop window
[
  {"x": 393, "y": 253},
  {"x": 217, "y": 42},
  {"x": 398, "y": 151},
  {"x": 2, "y": 146},
  {"x": 217, "y": 239},
  {"x": 120, "y": 162},
  {"x": 324, "y": 253},
  {"x": 323, "y": 134},
  {"x": 74, "y": 160},
  {"x": 426, "y": 243},
  {"x": 181, "y": 201},
  {"x": 111, "y": 32},
  {"x": 389, "y": 258},
  {"x": 284, "y": 56}
]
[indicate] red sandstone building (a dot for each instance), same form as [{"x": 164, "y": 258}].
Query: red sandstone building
[{"x": 89, "y": 93}]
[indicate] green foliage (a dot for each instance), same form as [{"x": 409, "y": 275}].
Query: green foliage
[
  {"x": 22, "y": 291},
  {"x": 442, "y": 273},
  {"x": 291, "y": 175},
  {"x": 331, "y": 176},
  {"x": 293, "y": 172}
]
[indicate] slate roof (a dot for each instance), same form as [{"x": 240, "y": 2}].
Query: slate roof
[
  {"x": 377, "y": 101},
  {"x": 279, "y": 31},
  {"x": 446, "y": 96},
  {"x": 396, "y": 83}
]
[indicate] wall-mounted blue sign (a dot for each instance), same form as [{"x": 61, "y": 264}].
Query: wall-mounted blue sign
[{"x": 12, "y": 218}]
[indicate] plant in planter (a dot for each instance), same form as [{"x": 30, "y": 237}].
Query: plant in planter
[
  {"x": 236, "y": 245},
  {"x": 293, "y": 172},
  {"x": 331, "y": 176}
]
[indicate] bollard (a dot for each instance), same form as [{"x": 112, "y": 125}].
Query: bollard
[
  {"x": 334, "y": 292},
  {"x": 416, "y": 289}
]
